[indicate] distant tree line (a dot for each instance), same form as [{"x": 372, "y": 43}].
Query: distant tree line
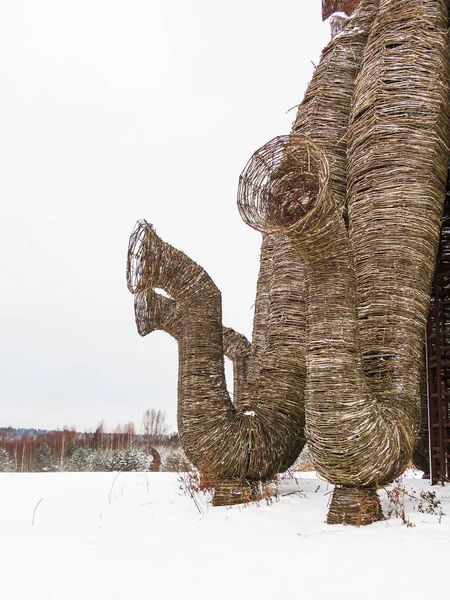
[{"x": 124, "y": 449}]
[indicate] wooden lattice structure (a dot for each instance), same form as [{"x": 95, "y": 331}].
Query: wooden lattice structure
[{"x": 438, "y": 358}]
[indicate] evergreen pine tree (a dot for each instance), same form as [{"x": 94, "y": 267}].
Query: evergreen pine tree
[
  {"x": 5, "y": 463},
  {"x": 44, "y": 459}
]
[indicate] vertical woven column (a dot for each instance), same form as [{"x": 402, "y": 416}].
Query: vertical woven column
[{"x": 397, "y": 171}]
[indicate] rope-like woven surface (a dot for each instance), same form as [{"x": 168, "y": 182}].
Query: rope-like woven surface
[
  {"x": 237, "y": 348},
  {"x": 153, "y": 312},
  {"x": 362, "y": 413},
  {"x": 269, "y": 386},
  {"x": 354, "y": 506},
  {"x": 361, "y": 426},
  {"x": 260, "y": 322},
  {"x": 397, "y": 170},
  {"x": 352, "y": 440},
  {"x": 217, "y": 437},
  {"x": 335, "y": 385},
  {"x": 279, "y": 184}
]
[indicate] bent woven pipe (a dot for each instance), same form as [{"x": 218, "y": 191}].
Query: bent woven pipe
[
  {"x": 218, "y": 438},
  {"x": 323, "y": 114},
  {"x": 343, "y": 425},
  {"x": 155, "y": 312}
]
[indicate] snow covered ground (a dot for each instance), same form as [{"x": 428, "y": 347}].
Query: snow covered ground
[{"x": 138, "y": 535}]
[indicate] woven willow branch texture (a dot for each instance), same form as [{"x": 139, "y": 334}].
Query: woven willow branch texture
[
  {"x": 397, "y": 170},
  {"x": 260, "y": 320},
  {"x": 325, "y": 111},
  {"x": 154, "y": 311},
  {"x": 218, "y": 437},
  {"x": 336, "y": 388}
]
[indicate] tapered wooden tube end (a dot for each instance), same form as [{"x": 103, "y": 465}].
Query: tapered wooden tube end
[{"x": 354, "y": 506}]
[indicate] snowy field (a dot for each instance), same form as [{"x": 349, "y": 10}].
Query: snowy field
[{"x": 138, "y": 535}]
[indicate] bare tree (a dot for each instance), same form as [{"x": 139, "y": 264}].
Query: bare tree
[{"x": 154, "y": 426}]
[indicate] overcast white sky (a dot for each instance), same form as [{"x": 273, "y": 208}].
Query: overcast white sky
[{"x": 110, "y": 112}]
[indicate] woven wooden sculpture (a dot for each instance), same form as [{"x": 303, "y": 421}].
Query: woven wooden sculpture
[
  {"x": 349, "y": 206},
  {"x": 262, "y": 432},
  {"x": 367, "y": 288}
]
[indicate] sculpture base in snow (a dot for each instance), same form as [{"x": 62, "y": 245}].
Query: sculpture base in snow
[{"x": 354, "y": 506}]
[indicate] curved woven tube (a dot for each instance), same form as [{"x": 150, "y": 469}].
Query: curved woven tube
[
  {"x": 271, "y": 195},
  {"x": 361, "y": 427},
  {"x": 377, "y": 414},
  {"x": 284, "y": 364},
  {"x": 354, "y": 441},
  {"x": 335, "y": 382},
  {"x": 324, "y": 114},
  {"x": 237, "y": 348},
  {"x": 154, "y": 312},
  {"x": 280, "y": 184},
  {"x": 217, "y": 438},
  {"x": 343, "y": 424},
  {"x": 274, "y": 383}
]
